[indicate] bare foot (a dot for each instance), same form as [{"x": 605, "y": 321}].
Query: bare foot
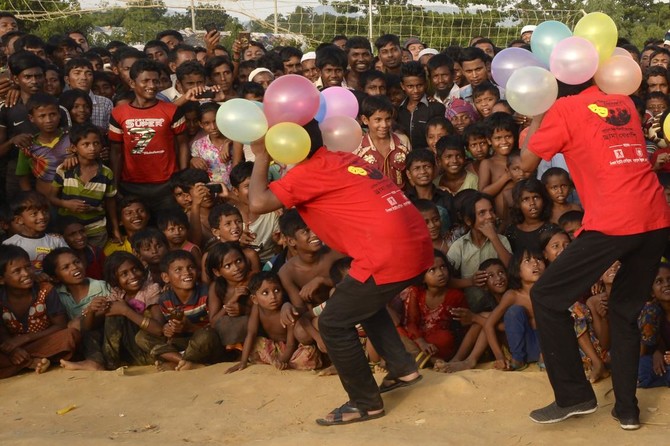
[
  {"x": 165, "y": 366},
  {"x": 598, "y": 372},
  {"x": 328, "y": 371},
  {"x": 451, "y": 367},
  {"x": 86, "y": 364},
  {"x": 40, "y": 365},
  {"x": 187, "y": 365}
]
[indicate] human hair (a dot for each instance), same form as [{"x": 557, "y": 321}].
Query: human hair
[
  {"x": 425, "y": 205},
  {"x": 69, "y": 97},
  {"x": 143, "y": 236},
  {"x": 450, "y": 142},
  {"x": 490, "y": 262},
  {"x": 174, "y": 255},
  {"x": 215, "y": 255},
  {"x": 288, "y": 52},
  {"x": 385, "y": 39},
  {"x": 28, "y": 201},
  {"x": 50, "y": 261},
  {"x": 209, "y": 107},
  {"x": 67, "y": 220},
  {"x": 440, "y": 60},
  {"x": 172, "y": 216},
  {"x": 339, "y": 269},
  {"x": 485, "y": 87},
  {"x": 531, "y": 185},
  {"x": 501, "y": 121},
  {"x": 114, "y": 262},
  {"x": 114, "y": 46},
  {"x": 441, "y": 121},
  {"x": 291, "y": 222},
  {"x": 554, "y": 172},
  {"x": 257, "y": 280},
  {"x": 419, "y": 155},
  {"x": 127, "y": 52},
  {"x": 338, "y": 37},
  {"x": 468, "y": 208},
  {"x": 28, "y": 41},
  {"x": 142, "y": 65},
  {"x": 547, "y": 233},
  {"x": 657, "y": 70},
  {"x": 272, "y": 62},
  {"x": 314, "y": 132},
  {"x": 4, "y": 14},
  {"x": 514, "y": 269},
  {"x": 472, "y": 53},
  {"x": 77, "y": 62},
  {"x": 129, "y": 200},
  {"x": 170, "y": 32},
  {"x": 659, "y": 95},
  {"x": 11, "y": 253},
  {"x": 187, "y": 178},
  {"x": 24, "y": 60},
  {"x": 514, "y": 154},
  {"x": 358, "y": 43},
  {"x": 157, "y": 43},
  {"x": 659, "y": 50},
  {"x": 102, "y": 76},
  {"x": 474, "y": 130},
  {"x": 331, "y": 55},
  {"x": 91, "y": 56},
  {"x": 81, "y": 131},
  {"x": 241, "y": 172},
  {"x": 373, "y": 104},
  {"x": 251, "y": 88},
  {"x": 571, "y": 217},
  {"x": 40, "y": 100},
  {"x": 216, "y": 62},
  {"x": 222, "y": 210},
  {"x": 412, "y": 69},
  {"x": 371, "y": 75},
  {"x": 188, "y": 68}
]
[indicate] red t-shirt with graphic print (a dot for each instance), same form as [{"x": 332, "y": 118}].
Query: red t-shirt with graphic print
[
  {"x": 358, "y": 211},
  {"x": 601, "y": 138},
  {"x": 148, "y": 138}
]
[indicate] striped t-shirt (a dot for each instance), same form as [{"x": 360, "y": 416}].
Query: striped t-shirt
[
  {"x": 195, "y": 309},
  {"x": 70, "y": 187}
]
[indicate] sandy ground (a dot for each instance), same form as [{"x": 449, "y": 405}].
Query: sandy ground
[{"x": 262, "y": 405}]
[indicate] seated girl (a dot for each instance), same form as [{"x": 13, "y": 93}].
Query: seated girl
[
  {"x": 529, "y": 214},
  {"x": 34, "y": 328},
  {"x": 74, "y": 234},
  {"x": 654, "y": 323}
]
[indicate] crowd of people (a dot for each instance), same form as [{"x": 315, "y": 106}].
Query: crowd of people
[{"x": 130, "y": 235}]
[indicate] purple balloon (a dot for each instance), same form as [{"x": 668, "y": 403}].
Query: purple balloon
[
  {"x": 291, "y": 98},
  {"x": 340, "y": 102},
  {"x": 508, "y": 61}
]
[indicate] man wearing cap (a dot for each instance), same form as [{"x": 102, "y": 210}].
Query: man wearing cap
[
  {"x": 309, "y": 69},
  {"x": 527, "y": 32},
  {"x": 425, "y": 55},
  {"x": 414, "y": 46}
]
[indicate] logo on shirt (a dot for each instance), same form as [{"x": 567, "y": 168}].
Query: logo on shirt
[
  {"x": 142, "y": 137},
  {"x": 365, "y": 170},
  {"x": 617, "y": 116}
]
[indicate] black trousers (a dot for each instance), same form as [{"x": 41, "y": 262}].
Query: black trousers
[
  {"x": 354, "y": 303},
  {"x": 569, "y": 278}
]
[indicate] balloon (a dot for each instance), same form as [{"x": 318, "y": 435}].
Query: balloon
[
  {"x": 341, "y": 133},
  {"x": 666, "y": 127},
  {"x": 509, "y": 60},
  {"x": 287, "y": 143},
  {"x": 574, "y": 60},
  {"x": 291, "y": 98},
  {"x": 600, "y": 30},
  {"x": 618, "y": 51},
  {"x": 531, "y": 91},
  {"x": 241, "y": 120},
  {"x": 619, "y": 75},
  {"x": 545, "y": 37},
  {"x": 321, "y": 113},
  {"x": 340, "y": 102}
]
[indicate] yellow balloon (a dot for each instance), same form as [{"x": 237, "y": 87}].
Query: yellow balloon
[
  {"x": 600, "y": 30},
  {"x": 287, "y": 143},
  {"x": 666, "y": 128}
]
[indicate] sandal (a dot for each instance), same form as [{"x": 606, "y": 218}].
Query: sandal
[
  {"x": 347, "y": 408},
  {"x": 421, "y": 359},
  {"x": 517, "y": 366},
  {"x": 390, "y": 383}
]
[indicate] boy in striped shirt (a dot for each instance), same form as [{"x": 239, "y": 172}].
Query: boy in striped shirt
[{"x": 86, "y": 191}]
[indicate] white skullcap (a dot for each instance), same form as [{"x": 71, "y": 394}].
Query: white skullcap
[
  {"x": 253, "y": 74},
  {"x": 528, "y": 29},
  {"x": 425, "y": 51},
  {"x": 308, "y": 56}
]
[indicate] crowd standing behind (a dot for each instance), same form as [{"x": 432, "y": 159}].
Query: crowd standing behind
[{"x": 129, "y": 237}]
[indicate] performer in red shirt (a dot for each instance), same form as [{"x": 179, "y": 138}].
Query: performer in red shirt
[
  {"x": 626, "y": 218},
  {"x": 358, "y": 211}
]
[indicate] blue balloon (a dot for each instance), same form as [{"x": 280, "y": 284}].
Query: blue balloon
[
  {"x": 321, "y": 114},
  {"x": 545, "y": 37}
]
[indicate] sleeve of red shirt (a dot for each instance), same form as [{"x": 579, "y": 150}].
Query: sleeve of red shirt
[
  {"x": 115, "y": 129},
  {"x": 552, "y": 135},
  {"x": 178, "y": 122}
]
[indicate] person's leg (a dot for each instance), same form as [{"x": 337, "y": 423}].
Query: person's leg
[
  {"x": 646, "y": 377},
  {"x": 204, "y": 347},
  {"x": 516, "y": 328},
  {"x": 630, "y": 289}
]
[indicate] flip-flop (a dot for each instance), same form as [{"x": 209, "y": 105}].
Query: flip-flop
[
  {"x": 347, "y": 408},
  {"x": 395, "y": 383}
]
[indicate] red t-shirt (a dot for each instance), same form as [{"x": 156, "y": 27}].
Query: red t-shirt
[
  {"x": 148, "y": 138},
  {"x": 358, "y": 211},
  {"x": 601, "y": 138}
]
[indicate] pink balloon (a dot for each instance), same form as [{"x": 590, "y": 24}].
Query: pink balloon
[
  {"x": 291, "y": 98},
  {"x": 340, "y": 102},
  {"x": 341, "y": 133},
  {"x": 619, "y": 75},
  {"x": 509, "y": 60},
  {"x": 573, "y": 60},
  {"x": 618, "y": 51}
]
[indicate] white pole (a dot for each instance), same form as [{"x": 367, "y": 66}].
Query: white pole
[
  {"x": 193, "y": 15},
  {"x": 370, "y": 20},
  {"x": 276, "y": 11}
]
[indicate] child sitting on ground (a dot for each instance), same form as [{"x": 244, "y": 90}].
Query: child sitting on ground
[
  {"x": 133, "y": 217},
  {"x": 150, "y": 246},
  {"x": 598, "y": 305},
  {"x": 74, "y": 234},
  {"x": 187, "y": 340},
  {"x": 654, "y": 324},
  {"x": 30, "y": 212},
  {"x": 570, "y": 222},
  {"x": 279, "y": 346},
  {"x": 33, "y": 331},
  {"x": 85, "y": 302},
  {"x": 174, "y": 225},
  {"x": 558, "y": 184},
  {"x": 516, "y": 311},
  {"x": 451, "y": 156},
  {"x": 529, "y": 214},
  {"x": 130, "y": 299}
]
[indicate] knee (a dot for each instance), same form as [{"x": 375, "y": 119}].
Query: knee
[{"x": 515, "y": 313}]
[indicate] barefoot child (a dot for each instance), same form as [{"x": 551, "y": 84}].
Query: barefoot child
[
  {"x": 133, "y": 217},
  {"x": 501, "y": 132},
  {"x": 451, "y": 156},
  {"x": 279, "y": 346},
  {"x": 74, "y": 234},
  {"x": 34, "y": 329},
  {"x": 529, "y": 214},
  {"x": 187, "y": 340},
  {"x": 150, "y": 246},
  {"x": 517, "y": 312},
  {"x": 558, "y": 184}
]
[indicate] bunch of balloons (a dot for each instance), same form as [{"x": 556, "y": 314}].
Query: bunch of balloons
[
  {"x": 290, "y": 102},
  {"x": 571, "y": 57}
]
